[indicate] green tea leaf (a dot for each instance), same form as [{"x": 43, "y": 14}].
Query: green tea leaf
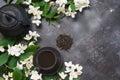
[
  {"x": 13, "y": 62},
  {"x": 52, "y": 13},
  {"x": 73, "y": 7},
  {"x": 70, "y": 1},
  {"x": 29, "y": 51},
  {"x": 76, "y": 79},
  {"x": 6, "y": 40},
  {"x": 39, "y": 3},
  {"x": 57, "y": 17},
  {"x": 32, "y": 48},
  {"x": 1, "y": 78},
  {"x": 26, "y": 55},
  {"x": 53, "y": 77},
  {"x": 62, "y": 69},
  {"x": 18, "y": 1},
  {"x": 5, "y": 70},
  {"x": 46, "y": 8},
  {"x": 3, "y": 58},
  {"x": 17, "y": 74}
]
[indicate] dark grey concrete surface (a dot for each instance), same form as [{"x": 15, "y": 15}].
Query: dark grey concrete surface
[{"x": 96, "y": 34}]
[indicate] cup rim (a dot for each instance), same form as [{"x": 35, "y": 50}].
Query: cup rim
[{"x": 43, "y": 50}]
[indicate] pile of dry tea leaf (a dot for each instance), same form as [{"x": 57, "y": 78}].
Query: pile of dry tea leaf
[{"x": 64, "y": 42}]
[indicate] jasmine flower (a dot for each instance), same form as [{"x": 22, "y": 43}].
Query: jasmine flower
[
  {"x": 37, "y": 22},
  {"x": 16, "y": 50},
  {"x": 46, "y": 0},
  {"x": 33, "y": 10},
  {"x": 70, "y": 13},
  {"x": 27, "y": 2},
  {"x": 2, "y": 49},
  {"x": 80, "y": 4},
  {"x": 61, "y": 2},
  {"x": 61, "y": 9},
  {"x": 28, "y": 37},
  {"x": 62, "y": 75},
  {"x": 35, "y": 76},
  {"x": 32, "y": 35}
]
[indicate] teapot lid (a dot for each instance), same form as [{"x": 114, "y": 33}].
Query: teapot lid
[{"x": 11, "y": 15}]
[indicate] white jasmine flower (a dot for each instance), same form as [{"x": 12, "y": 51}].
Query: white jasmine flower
[
  {"x": 33, "y": 10},
  {"x": 73, "y": 70},
  {"x": 19, "y": 66},
  {"x": 6, "y": 77},
  {"x": 10, "y": 74},
  {"x": 68, "y": 64},
  {"x": 69, "y": 67},
  {"x": 70, "y": 13},
  {"x": 77, "y": 69},
  {"x": 35, "y": 76},
  {"x": 52, "y": 3},
  {"x": 38, "y": 15},
  {"x": 37, "y": 22},
  {"x": 28, "y": 37},
  {"x": 72, "y": 75},
  {"x": 80, "y": 4},
  {"x": 22, "y": 48},
  {"x": 16, "y": 50},
  {"x": 46, "y": 0},
  {"x": 61, "y": 2},
  {"x": 34, "y": 34},
  {"x": 13, "y": 50},
  {"x": 2, "y": 49},
  {"x": 61, "y": 9},
  {"x": 29, "y": 65},
  {"x": 27, "y": 73},
  {"x": 31, "y": 43},
  {"x": 28, "y": 62},
  {"x": 62, "y": 75},
  {"x": 27, "y": 2},
  {"x": 11, "y": 78}
]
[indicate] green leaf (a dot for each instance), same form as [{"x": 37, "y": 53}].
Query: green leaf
[
  {"x": 57, "y": 16},
  {"x": 26, "y": 55},
  {"x": 6, "y": 40},
  {"x": 29, "y": 51},
  {"x": 62, "y": 69},
  {"x": 5, "y": 70},
  {"x": 53, "y": 77},
  {"x": 18, "y": 1},
  {"x": 46, "y": 8},
  {"x": 73, "y": 7},
  {"x": 17, "y": 74},
  {"x": 3, "y": 58},
  {"x": 76, "y": 79},
  {"x": 1, "y": 78},
  {"x": 70, "y": 1},
  {"x": 13, "y": 62},
  {"x": 32, "y": 48},
  {"x": 39, "y": 3},
  {"x": 52, "y": 13}
]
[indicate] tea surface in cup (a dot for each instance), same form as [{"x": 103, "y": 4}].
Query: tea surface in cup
[{"x": 46, "y": 59}]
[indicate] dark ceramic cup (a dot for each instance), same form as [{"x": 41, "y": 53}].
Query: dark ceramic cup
[
  {"x": 13, "y": 20},
  {"x": 48, "y": 61}
]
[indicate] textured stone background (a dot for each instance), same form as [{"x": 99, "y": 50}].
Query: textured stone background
[{"x": 96, "y": 34}]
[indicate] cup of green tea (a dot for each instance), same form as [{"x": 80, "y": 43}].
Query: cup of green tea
[{"x": 48, "y": 60}]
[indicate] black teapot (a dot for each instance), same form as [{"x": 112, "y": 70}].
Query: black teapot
[{"x": 13, "y": 20}]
